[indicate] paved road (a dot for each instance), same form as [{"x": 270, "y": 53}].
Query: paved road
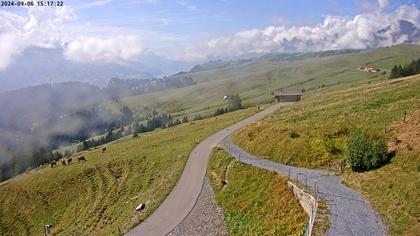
[
  {"x": 183, "y": 197},
  {"x": 350, "y": 213}
]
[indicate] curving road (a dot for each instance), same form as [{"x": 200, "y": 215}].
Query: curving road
[
  {"x": 350, "y": 214},
  {"x": 183, "y": 197}
]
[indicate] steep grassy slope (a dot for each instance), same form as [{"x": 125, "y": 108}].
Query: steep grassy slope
[
  {"x": 99, "y": 196},
  {"x": 254, "y": 201},
  {"x": 394, "y": 188},
  {"x": 313, "y": 133},
  {"x": 253, "y": 80}
]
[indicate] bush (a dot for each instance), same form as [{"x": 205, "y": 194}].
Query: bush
[
  {"x": 364, "y": 154},
  {"x": 294, "y": 134}
]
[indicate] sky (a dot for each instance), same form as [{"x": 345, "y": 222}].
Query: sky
[{"x": 195, "y": 31}]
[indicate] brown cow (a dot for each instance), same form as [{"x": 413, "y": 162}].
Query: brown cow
[
  {"x": 103, "y": 149},
  {"x": 53, "y": 163},
  {"x": 82, "y": 158},
  {"x": 69, "y": 161},
  {"x": 63, "y": 162}
]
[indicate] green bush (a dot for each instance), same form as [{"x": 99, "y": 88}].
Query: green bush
[{"x": 365, "y": 154}]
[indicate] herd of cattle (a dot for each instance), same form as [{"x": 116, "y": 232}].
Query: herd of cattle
[{"x": 70, "y": 159}]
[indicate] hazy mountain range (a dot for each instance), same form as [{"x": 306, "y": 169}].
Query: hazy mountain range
[{"x": 48, "y": 65}]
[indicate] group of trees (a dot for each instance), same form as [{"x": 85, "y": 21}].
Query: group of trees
[
  {"x": 109, "y": 137},
  {"x": 135, "y": 126},
  {"x": 234, "y": 103},
  {"x": 26, "y": 161},
  {"x": 220, "y": 111},
  {"x": 411, "y": 68}
]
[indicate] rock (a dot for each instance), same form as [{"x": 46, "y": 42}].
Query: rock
[{"x": 141, "y": 207}]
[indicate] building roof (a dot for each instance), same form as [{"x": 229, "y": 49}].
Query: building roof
[{"x": 287, "y": 93}]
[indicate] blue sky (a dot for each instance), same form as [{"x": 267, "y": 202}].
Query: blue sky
[
  {"x": 189, "y": 17},
  {"x": 195, "y": 31}
]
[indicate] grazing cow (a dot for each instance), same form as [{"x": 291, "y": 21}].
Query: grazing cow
[
  {"x": 82, "y": 158},
  {"x": 69, "y": 161},
  {"x": 103, "y": 149},
  {"x": 63, "y": 162},
  {"x": 53, "y": 163}
]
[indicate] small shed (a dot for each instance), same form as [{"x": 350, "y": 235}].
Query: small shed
[{"x": 287, "y": 96}]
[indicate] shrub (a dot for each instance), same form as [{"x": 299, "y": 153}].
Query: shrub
[
  {"x": 365, "y": 154},
  {"x": 294, "y": 134}
]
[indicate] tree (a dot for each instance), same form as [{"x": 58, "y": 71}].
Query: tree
[
  {"x": 177, "y": 122},
  {"x": 184, "y": 119},
  {"x": 411, "y": 68},
  {"x": 234, "y": 103},
  {"x": 109, "y": 136},
  {"x": 136, "y": 126},
  {"x": 127, "y": 116},
  {"x": 135, "y": 135},
  {"x": 85, "y": 145},
  {"x": 394, "y": 72},
  {"x": 198, "y": 117},
  {"x": 219, "y": 111}
]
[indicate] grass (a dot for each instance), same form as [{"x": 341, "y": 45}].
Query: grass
[
  {"x": 394, "y": 188},
  {"x": 313, "y": 133},
  {"x": 323, "y": 122},
  {"x": 100, "y": 195},
  {"x": 254, "y": 201},
  {"x": 255, "y": 79}
]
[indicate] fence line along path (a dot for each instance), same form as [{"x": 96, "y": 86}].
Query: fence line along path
[{"x": 350, "y": 213}]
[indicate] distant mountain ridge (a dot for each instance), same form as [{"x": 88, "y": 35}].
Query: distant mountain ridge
[
  {"x": 274, "y": 56},
  {"x": 400, "y": 32},
  {"x": 128, "y": 87},
  {"x": 36, "y": 66}
]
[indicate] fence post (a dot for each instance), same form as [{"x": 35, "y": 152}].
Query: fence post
[
  {"x": 385, "y": 127},
  {"x": 306, "y": 181},
  {"x": 297, "y": 177},
  {"x": 289, "y": 172},
  {"x": 405, "y": 116}
]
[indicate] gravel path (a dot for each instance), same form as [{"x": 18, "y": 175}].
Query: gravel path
[
  {"x": 183, "y": 197},
  {"x": 206, "y": 218},
  {"x": 350, "y": 214}
]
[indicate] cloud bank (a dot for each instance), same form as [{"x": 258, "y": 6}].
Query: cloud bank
[
  {"x": 94, "y": 49},
  {"x": 40, "y": 28},
  {"x": 336, "y": 32},
  {"x": 83, "y": 42},
  {"x": 48, "y": 27}
]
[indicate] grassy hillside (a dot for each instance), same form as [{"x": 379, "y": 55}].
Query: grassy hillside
[
  {"x": 253, "y": 80},
  {"x": 394, "y": 188},
  {"x": 254, "y": 201},
  {"x": 313, "y": 133},
  {"x": 99, "y": 196}
]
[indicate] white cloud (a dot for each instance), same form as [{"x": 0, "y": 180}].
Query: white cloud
[
  {"x": 336, "y": 32},
  {"x": 87, "y": 42},
  {"x": 41, "y": 27},
  {"x": 47, "y": 27},
  {"x": 111, "y": 49},
  {"x": 383, "y": 3}
]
